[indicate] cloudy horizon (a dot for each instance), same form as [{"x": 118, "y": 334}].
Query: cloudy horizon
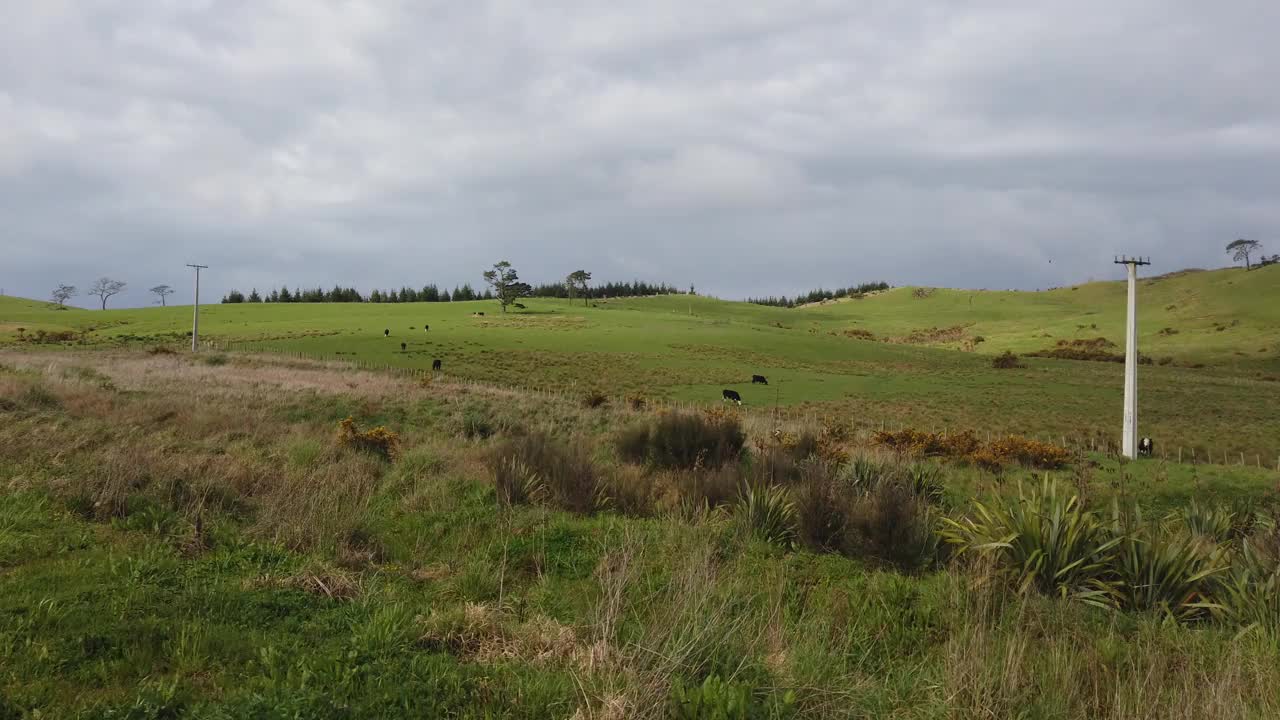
[{"x": 749, "y": 150}]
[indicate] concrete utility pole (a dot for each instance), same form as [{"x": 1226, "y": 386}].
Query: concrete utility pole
[
  {"x": 195, "y": 318},
  {"x": 1129, "y": 438}
]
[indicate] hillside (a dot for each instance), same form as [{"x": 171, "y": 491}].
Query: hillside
[{"x": 1228, "y": 316}]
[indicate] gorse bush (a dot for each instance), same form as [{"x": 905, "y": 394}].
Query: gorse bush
[
  {"x": 1005, "y": 361},
  {"x": 536, "y": 468},
  {"x": 965, "y": 446},
  {"x": 683, "y": 440},
  {"x": 378, "y": 440},
  {"x": 1029, "y": 452}
]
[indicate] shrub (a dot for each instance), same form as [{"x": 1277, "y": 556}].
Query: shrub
[
  {"x": 1006, "y": 361},
  {"x": 1249, "y": 593},
  {"x": 1154, "y": 570},
  {"x": 683, "y": 440},
  {"x": 535, "y": 468},
  {"x": 709, "y": 489},
  {"x": 38, "y": 397},
  {"x": 893, "y": 525},
  {"x": 867, "y": 509},
  {"x": 1043, "y": 541},
  {"x": 768, "y": 512},
  {"x": 631, "y": 492},
  {"x": 1029, "y": 452},
  {"x": 378, "y": 440},
  {"x": 637, "y": 402},
  {"x": 215, "y": 359},
  {"x": 476, "y": 425},
  {"x": 632, "y": 443},
  {"x": 161, "y": 350},
  {"x": 1213, "y": 522},
  {"x": 717, "y": 699},
  {"x": 594, "y": 399}
]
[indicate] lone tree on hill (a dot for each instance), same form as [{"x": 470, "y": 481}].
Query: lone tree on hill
[
  {"x": 162, "y": 291},
  {"x": 578, "y": 280},
  {"x": 105, "y": 287},
  {"x": 63, "y": 293},
  {"x": 1242, "y": 249},
  {"x": 506, "y": 284}
]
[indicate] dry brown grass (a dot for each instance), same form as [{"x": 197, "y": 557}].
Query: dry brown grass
[{"x": 1018, "y": 657}]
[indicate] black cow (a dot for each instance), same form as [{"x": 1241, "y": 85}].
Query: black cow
[
  {"x": 732, "y": 396},
  {"x": 759, "y": 380},
  {"x": 519, "y": 306},
  {"x": 435, "y": 364},
  {"x": 480, "y": 314},
  {"x": 426, "y": 327},
  {"x": 386, "y": 333},
  {"x": 1145, "y": 447},
  {"x": 402, "y": 347}
]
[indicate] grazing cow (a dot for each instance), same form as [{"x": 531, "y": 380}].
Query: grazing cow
[
  {"x": 426, "y": 328},
  {"x": 435, "y": 364},
  {"x": 402, "y": 347},
  {"x": 759, "y": 380},
  {"x": 480, "y": 314},
  {"x": 519, "y": 306},
  {"x": 386, "y": 333},
  {"x": 1145, "y": 447},
  {"x": 732, "y": 396}
]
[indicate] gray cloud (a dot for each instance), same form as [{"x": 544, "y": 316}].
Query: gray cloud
[{"x": 754, "y": 149}]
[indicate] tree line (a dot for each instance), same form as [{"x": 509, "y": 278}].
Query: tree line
[
  {"x": 576, "y": 286},
  {"x": 820, "y": 294}
]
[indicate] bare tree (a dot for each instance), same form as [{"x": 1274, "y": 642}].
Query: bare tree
[
  {"x": 162, "y": 291},
  {"x": 578, "y": 280},
  {"x": 105, "y": 287},
  {"x": 1241, "y": 249},
  {"x": 63, "y": 293},
  {"x": 506, "y": 284}
]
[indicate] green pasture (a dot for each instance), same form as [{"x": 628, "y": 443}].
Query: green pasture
[{"x": 1218, "y": 332}]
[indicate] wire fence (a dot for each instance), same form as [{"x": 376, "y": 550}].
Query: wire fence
[{"x": 1078, "y": 443}]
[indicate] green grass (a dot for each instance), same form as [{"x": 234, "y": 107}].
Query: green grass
[
  {"x": 255, "y": 568},
  {"x": 688, "y": 349}
]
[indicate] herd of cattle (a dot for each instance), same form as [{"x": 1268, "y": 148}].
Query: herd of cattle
[{"x": 1145, "y": 445}]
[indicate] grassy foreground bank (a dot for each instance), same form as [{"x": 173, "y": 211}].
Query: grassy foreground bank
[{"x": 188, "y": 538}]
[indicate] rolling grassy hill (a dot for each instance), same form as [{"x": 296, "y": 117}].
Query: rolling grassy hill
[{"x": 912, "y": 372}]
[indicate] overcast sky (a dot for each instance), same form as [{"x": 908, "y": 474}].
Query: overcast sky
[{"x": 746, "y": 147}]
